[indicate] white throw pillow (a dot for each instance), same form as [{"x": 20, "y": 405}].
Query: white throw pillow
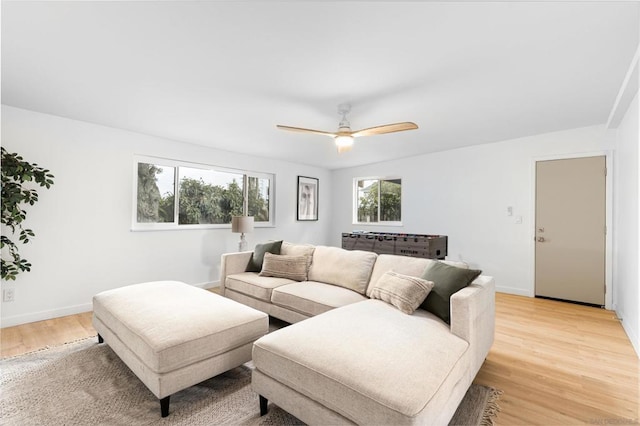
[
  {"x": 281, "y": 266},
  {"x": 402, "y": 291}
]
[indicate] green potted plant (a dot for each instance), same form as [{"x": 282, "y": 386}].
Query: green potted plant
[{"x": 17, "y": 192}]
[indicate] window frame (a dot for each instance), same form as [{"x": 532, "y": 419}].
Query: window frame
[
  {"x": 355, "y": 198},
  {"x": 176, "y": 164}
]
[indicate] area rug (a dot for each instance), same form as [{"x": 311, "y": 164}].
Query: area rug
[{"x": 83, "y": 383}]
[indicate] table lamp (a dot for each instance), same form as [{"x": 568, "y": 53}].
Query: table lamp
[{"x": 242, "y": 225}]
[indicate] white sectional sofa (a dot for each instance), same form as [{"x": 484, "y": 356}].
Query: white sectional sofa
[{"x": 350, "y": 358}]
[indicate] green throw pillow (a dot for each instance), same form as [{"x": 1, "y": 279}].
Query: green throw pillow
[
  {"x": 447, "y": 280},
  {"x": 255, "y": 264}
]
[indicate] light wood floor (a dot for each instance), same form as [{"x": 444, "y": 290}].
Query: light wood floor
[{"x": 557, "y": 363}]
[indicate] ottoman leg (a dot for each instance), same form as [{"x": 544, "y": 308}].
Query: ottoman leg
[
  {"x": 263, "y": 405},
  {"x": 100, "y": 339},
  {"x": 164, "y": 406}
]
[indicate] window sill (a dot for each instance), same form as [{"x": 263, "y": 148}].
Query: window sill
[
  {"x": 390, "y": 224},
  {"x": 171, "y": 227}
]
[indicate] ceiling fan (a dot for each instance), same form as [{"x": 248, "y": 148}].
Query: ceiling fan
[{"x": 344, "y": 136}]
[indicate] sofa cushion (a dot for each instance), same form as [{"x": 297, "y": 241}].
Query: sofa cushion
[
  {"x": 251, "y": 284},
  {"x": 412, "y": 266},
  {"x": 292, "y": 267},
  {"x": 255, "y": 264},
  {"x": 385, "y": 365},
  {"x": 290, "y": 249},
  {"x": 313, "y": 298},
  {"x": 447, "y": 280},
  {"x": 346, "y": 268},
  {"x": 402, "y": 291}
]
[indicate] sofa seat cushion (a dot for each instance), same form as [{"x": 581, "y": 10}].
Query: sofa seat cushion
[
  {"x": 364, "y": 360},
  {"x": 169, "y": 325},
  {"x": 251, "y": 284},
  {"x": 313, "y": 298}
]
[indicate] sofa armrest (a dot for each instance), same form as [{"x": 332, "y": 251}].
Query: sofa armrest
[
  {"x": 233, "y": 263},
  {"x": 473, "y": 314}
]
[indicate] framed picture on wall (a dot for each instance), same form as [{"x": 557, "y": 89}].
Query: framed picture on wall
[{"x": 307, "y": 198}]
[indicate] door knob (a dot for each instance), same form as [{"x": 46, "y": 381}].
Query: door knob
[{"x": 540, "y": 239}]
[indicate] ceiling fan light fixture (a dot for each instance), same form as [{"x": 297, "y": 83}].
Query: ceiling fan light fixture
[
  {"x": 344, "y": 136},
  {"x": 344, "y": 143}
]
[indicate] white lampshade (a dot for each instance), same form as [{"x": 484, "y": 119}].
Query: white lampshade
[
  {"x": 242, "y": 224},
  {"x": 344, "y": 143}
]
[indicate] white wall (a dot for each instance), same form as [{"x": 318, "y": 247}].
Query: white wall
[
  {"x": 83, "y": 242},
  {"x": 464, "y": 194},
  {"x": 84, "y": 245},
  {"x": 626, "y": 275}
]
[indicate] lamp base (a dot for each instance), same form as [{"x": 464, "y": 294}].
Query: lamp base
[{"x": 242, "y": 244}]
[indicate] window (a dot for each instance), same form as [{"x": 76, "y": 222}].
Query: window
[
  {"x": 155, "y": 193},
  {"x": 208, "y": 197},
  {"x": 171, "y": 195},
  {"x": 258, "y": 189},
  {"x": 378, "y": 201}
]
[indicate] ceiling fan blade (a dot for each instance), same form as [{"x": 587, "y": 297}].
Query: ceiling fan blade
[
  {"x": 387, "y": 128},
  {"x": 303, "y": 130}
]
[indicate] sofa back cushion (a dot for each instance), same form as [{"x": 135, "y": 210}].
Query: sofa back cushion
[
  {"x": 345, "y": 268},
  {"x": 412, "y": 266},
  {"x": 291, "y": 249}
]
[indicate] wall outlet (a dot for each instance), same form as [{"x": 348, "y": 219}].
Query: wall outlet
[{"x": 8, "y": 295}]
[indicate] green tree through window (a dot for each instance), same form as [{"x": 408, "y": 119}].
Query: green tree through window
[
  {"x": 258, "y": 198},
  {"x": 390, "y": 200},
  {"x": 205, "y": 196},
  {"x": 152, "y": 205},
  {"x": 204, "y": 203},
  {"x": 379, "y": 200}
]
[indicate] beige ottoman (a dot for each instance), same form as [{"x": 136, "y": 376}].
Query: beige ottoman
[{"x": 173, "y": 335}]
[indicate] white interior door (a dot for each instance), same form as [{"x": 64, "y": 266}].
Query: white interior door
[{"x": 571, "y": 229}]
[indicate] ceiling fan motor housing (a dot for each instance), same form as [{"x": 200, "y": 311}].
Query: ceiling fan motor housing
[
  {"x": 343, "y": 110},
  {"x": 343, "y": 138}
]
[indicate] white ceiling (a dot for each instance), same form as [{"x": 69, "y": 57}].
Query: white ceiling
[{"x": 223, "y": 74}]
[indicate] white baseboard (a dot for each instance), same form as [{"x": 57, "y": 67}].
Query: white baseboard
[
  {"x": 69, "y": 310},
  {"x": 514, "y": 290},
  {"x": 633, "y": 337},
  {"x": 45, "y": 315},
  {"x": 208, "y": 285}
]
